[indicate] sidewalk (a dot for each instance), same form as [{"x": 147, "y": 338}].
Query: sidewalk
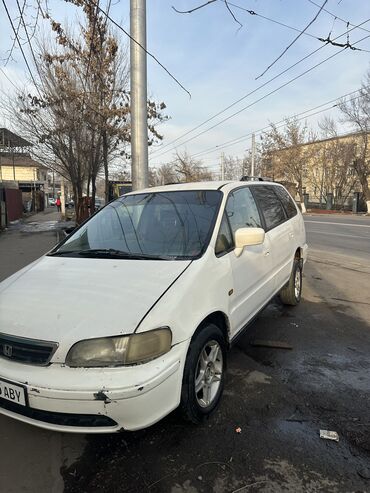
[
  {"x": 335, "y": 212},
  {"x": 48, "y": 220},
  {"x": 49, "y": 214},
  {"x": 312, "y": 212},
  {"x": 24, "y": 241}
]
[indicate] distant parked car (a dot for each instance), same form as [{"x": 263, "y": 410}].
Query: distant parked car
[
  {"x": 70, "y": 213},
  {"x": 51, "y": 201},
  {"x": 99, "y": 203},
  {"x": 141, "y": 303}
]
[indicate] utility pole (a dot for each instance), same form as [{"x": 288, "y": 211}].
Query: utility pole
[
  {"x": 222, "y": 166},
  {"x": 63, "y": 198},
  {"x": 138, "y": 81},
  {"x": 253, "y": 156},
  {"x": 34, "y": 190}
]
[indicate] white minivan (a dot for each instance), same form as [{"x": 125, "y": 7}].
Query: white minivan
[{"x": 131, "y": 315}]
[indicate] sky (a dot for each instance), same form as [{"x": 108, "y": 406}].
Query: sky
[{"x": 218, "y": 61}]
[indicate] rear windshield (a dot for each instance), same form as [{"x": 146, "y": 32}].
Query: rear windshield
[{"x": 167, "y": 225}]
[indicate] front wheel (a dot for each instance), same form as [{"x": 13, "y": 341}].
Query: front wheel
[
  {"x": 204, "y": 372},
  {"x": 291, "y": 293}
]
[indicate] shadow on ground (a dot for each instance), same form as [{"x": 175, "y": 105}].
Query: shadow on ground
[{"x": 279, "y": 398}]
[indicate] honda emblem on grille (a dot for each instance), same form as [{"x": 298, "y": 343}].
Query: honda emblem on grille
[{"x": 8, "y": 350}]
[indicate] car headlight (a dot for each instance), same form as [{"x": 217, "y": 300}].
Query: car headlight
[{"x": 120, "y": 350}]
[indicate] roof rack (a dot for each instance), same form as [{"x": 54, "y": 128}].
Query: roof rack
[{"x": 254, "y": 178}]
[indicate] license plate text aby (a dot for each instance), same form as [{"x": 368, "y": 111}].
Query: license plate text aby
[{"x": 12, "y": 392}]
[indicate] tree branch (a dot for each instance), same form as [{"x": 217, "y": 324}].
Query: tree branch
[
  {"x": 205, "y": 5},
  {"x": 194, "y": 9}
]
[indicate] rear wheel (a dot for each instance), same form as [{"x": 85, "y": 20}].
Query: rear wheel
[
  {"x": 204, "y": 371},
  {"x": 291, "y": 293}
]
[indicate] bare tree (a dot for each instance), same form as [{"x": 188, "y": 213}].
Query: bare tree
[
  {"x": 330, "y": 170},
  {"x": 233, "y": 168},
  {"x": 357, "y": 113},
  {"x": 182, "y": 169},
  {"x": 285, "y": 156},
  {"x": 80, "y": 123},
  {"x": 189, "y": 169},
  {"x": 166, "y": 174}
]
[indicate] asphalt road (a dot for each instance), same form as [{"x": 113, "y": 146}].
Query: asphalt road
[
  {"x": 279, "y": 398},
  {"x": 343, "y": 235}
]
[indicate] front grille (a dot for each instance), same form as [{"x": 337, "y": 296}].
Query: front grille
[
  {"x": 61, "y": 419},
  {"x": 25, "y": 350}
]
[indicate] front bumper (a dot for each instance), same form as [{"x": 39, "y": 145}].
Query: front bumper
[{"x": 97, "y": 400}]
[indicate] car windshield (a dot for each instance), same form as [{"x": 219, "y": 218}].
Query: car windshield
[{"x": 163, "y": 225}]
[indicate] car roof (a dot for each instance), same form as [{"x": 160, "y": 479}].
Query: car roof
[{"x": 201, "y": 185}]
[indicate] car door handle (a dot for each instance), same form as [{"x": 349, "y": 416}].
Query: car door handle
[
  {"x": 266, "y": 253},
  {"x": 291, "y": 235}
]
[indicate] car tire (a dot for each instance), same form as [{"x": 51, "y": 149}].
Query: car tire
[
  {"x": 291, "y": 293},
  {"x": 204, "y": 374}
]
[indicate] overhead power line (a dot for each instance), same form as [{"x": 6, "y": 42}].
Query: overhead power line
[
  {"x": 215, "y": 167},
  {"x": 262, "y": 97},
  {"x": 20, "y": 46},
  {"x": 279, "y": 23},
  {"x": 299, "y": 116},
  {"x": 335, "y": 16},
  {"x": 15, "y": 38},
  {"x": 104, "y": 12},
  {"x": 162, "y": 148},
  {"x": 226, "y": 2},
  {"x": 8, "y": 78},
  {"x": 294, "y": 40},
  {"x": 194, "y": 8},
  {"x": 23, "y": 22},
  {"x": 283, "y": 24}
]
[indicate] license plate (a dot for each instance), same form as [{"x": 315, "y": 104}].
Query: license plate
[{"x": 13, "y": 393}]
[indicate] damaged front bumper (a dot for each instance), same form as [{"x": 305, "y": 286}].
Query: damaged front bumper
[{"x": 96, "y": 400}]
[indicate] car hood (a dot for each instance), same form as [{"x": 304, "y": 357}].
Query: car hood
[{"x": 69, "y": 299}]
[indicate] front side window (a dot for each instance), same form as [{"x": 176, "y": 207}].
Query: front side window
[
  {"x": 224, "y": 241},
  {"x": 270, "y": 205},
  {"x": 241, "y": 210},
  {"x": 166, "y": 225}
]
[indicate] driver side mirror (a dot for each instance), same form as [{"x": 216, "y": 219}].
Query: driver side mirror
[{"x": 248, "y": 237}]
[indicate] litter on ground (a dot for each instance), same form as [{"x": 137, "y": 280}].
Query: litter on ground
[{"x": 329, "y": 435}]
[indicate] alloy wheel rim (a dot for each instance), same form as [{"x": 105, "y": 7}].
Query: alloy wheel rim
[
  {"x": 297, "y": 284},
  {"x": 208, "y": 373}
]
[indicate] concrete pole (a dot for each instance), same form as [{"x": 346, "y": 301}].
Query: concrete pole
[
  {"x": 138, "y": 80},
  {"x": 63, "y": 198},
  {"x": 222, "y": 166},
  {"x": 34, "y": 189},
  {"x": 253, "y": 157}
]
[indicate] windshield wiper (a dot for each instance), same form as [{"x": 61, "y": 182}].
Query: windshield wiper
[
  {"x": 113, "y": 253},
  {"x": 110, "y": 253},
  {"x": 61, "y": 253}
]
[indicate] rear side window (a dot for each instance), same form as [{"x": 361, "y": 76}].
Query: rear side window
[
  {"x": 289, "y": 206},
  {"x": 242, "y": 211},
  {"x": 270, "y": 206}
]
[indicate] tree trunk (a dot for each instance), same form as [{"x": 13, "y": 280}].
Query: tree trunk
[
  {"x": 88, "y": 185},
  {"x": 366, "y": 192},
  {"x": 105, "y": 163},
  {"x": 301, "y": 198},
  {"x": 93, "y": 195},
  {"x": 303, "y": 207},
  {"x": 79, "y": 205}
]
